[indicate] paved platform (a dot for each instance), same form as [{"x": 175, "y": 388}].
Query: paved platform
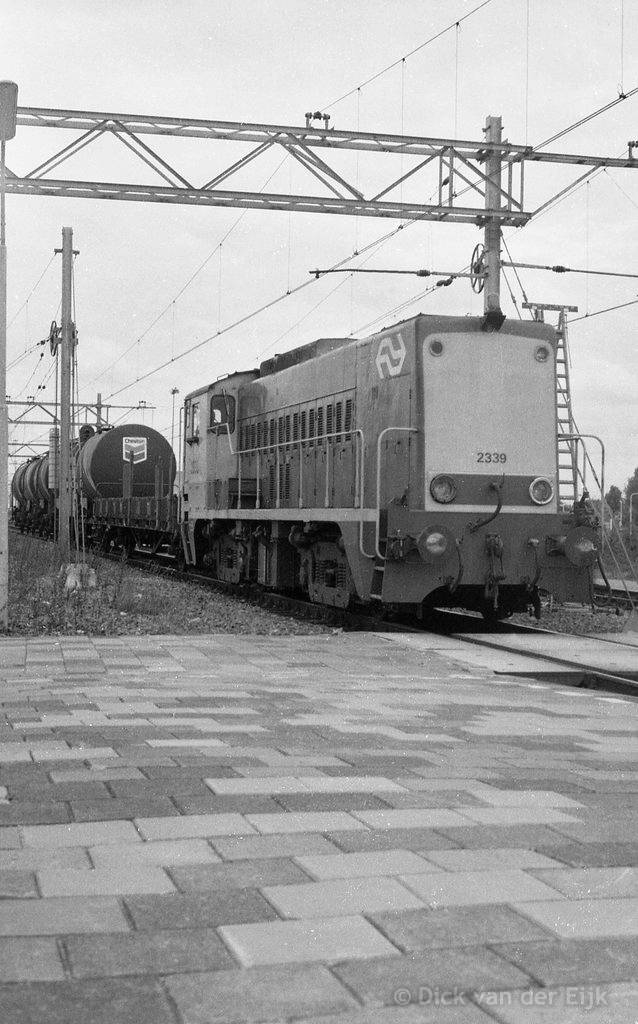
[{"x": 338, "y": 829}]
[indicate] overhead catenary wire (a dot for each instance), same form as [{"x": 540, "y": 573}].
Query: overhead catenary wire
[
  {"x": 186, "y": 285},
  {"x": 608, "y": 309},
  {"x": 279, "y": 298},
  {"x": 411, "y": 53},
  {"x": 253, "y": 313},
  {"x": 31, "y": 293},
  {"x": 559, "y": 269}
]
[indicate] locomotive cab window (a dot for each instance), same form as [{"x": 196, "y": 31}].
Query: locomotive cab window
[
  {"x": 193, "y": 424},
  {"x": 222, "y": 414}
]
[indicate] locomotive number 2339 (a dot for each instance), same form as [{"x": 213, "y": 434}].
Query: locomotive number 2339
[{"x": 491, "y": 457}]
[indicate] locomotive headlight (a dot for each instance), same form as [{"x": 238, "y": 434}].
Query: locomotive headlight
[
  {"x": 435, "y": 543},
  {"x": 541, "y": 491},
  {"x": 580, "y": 547},
  {"x": 443, "y": 489}
]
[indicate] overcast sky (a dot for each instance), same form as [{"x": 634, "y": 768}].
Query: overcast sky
[{"x": 269, "y": 61}]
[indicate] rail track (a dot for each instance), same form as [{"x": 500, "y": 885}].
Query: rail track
[
  {"x": 514, "y": 638},
  {"x": 466, "y": 626}
]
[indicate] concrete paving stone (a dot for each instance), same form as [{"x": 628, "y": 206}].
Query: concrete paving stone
[
  {"x": 14, "y": 753},
  {"x": 609, "y": 1004},
  {"x": 246, "y": 874},
  {"x": 200, "y": 743},
  {"x": 358, "y": 865},
  {"x": 515, "y": 815},
  {"x": 594, "y": 855},
  {"x": 429, "y": 800},
  {"x": 413, "y": 930},
  {"x": 191, "y": 826},
  {"x": 201, "y": 910},
  {"x": 391, "y": 839},
  {"x": 291, "y": 844},
  {"x": 466, "y": 1013},
  {"x": 162, "y": 952},
  {"x": 584, "y": 919},
  {"x": 570, "y": 962},
  {"x": 35, "y": 858},
  {"x": 523, "y": 797},
  {"x": 330, "y": 802},
  {"x": 464, "y": 888},
  {"x": 340, "y": 896},
  {"x": 377, "y": 981},
  {"x": 94, "y": 774},
  {"x": 112, "y": 1001},
  {"x": 30, "y": 959},
  {"x": 300, "y": 784},
  {"x": 109, "y": 881},
  {"x": 209, "y": 804},
  {"x": 436, "y": 818},
  {"x": 161, "y": 852},
  {"x": 55, "y": 792},
  {"x": 141, "y": 788},
  {"x": 490, "y": 860},
  {"x": 56, "y": 754},
  {"x": 305, "y": 821},
  {"x": 278, "y": 942},
  {"x": 91, "y": 833},
  {"x": 16, "y": 883},
  {"x": 61, "y": 916},
  {"x": 484, "y": 836},
  {"x": 23, "y": 812},
  {"x": 583, "y": 883},
  {"x": 125, "y": 810},
  {"x": 620, "y": 830},
  {"x": 260, "y": 993}
]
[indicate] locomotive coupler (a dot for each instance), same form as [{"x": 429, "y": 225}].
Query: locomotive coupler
[
  {"x": 495, "y": 574},
  {"x": 531, "y": 584}
]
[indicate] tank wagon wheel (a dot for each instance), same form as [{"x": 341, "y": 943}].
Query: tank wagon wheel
[{"x": 477, "y": 269}]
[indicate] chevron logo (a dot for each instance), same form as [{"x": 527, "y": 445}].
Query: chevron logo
[
  {"x": 134, "y": 449},
  {"x": 391, "y": 356}
]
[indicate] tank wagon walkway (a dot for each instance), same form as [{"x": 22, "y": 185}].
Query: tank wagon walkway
[{"x": 354, "y": 830}]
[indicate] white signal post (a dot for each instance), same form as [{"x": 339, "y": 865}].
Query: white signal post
[{"x": 8, "y": 114}]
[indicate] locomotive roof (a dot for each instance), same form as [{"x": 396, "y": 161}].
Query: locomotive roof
[
  {"x": 300, "y": 355},
  {"x": 322, "y": 346}
]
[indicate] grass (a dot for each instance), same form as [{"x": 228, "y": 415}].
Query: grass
[{"x": 125, "y": 601}]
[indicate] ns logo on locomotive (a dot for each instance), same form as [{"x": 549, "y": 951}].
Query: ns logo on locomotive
[{"x": 416, "y": 468}]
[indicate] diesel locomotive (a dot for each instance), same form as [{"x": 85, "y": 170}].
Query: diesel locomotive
[{"x": 414, "y": 468}]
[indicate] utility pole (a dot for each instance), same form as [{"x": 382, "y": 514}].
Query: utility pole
[
  {"x": 8, "y": 112},
  {"x": 66, "y": 355},
  {"x": 493, "y": 201}
]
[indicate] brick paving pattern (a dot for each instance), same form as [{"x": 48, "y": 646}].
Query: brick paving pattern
[{"x": 342, "y": 829}]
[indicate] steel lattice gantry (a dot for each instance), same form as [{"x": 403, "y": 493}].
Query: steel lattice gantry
[{"x": 459, "y": 167}]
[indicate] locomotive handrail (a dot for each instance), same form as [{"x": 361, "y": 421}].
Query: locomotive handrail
[
  {"x": 377, "y": 531},
  {"x": 601, "y": 483},
  {"x": 299, "y": 442}
]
